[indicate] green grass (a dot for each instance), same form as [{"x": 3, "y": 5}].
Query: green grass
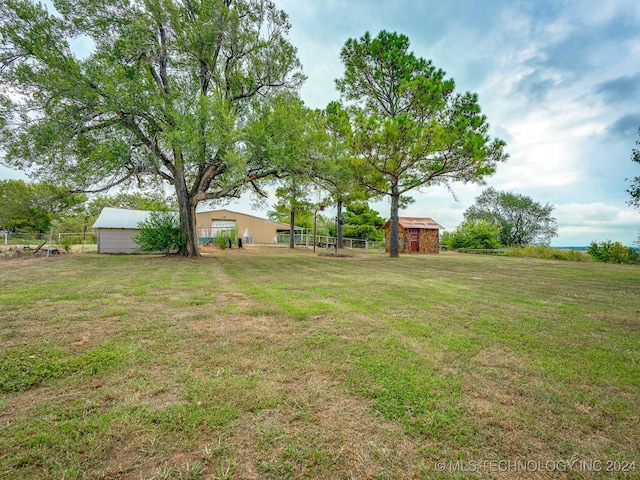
[{"x": 271, "y": 363}]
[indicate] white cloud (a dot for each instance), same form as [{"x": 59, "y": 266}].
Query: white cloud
[
  {"x": 597, "y": 214},
  {"x": 586, "y": 222}
]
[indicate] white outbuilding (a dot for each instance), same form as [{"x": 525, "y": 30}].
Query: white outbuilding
[{"x": 116, "y": 228}]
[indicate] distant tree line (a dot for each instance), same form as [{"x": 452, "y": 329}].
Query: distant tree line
[
  {"x": 38, "y": 208},
  {"x": 34, "y": 207}
]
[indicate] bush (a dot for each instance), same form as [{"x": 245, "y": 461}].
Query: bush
[
  {"x": 221, "y": 242},
  {"x": 66, "y": 243},
  {"x": 222, "y": 239},
  {"x": 613, "y": 252},
  {"x": 160, "y": 233},
  {"x": 480, "y": 235}
]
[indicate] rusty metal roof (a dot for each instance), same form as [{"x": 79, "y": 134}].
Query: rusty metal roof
[{"x": 415, "y": 222}]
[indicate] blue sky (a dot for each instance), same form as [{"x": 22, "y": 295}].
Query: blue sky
[{"x": 558, "y": 80}]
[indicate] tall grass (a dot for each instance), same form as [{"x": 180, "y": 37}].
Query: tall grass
[{"x": 544, "y": 252}]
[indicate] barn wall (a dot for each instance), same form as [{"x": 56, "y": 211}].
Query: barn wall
[
  {"x": 256, "y": 229},
  {"x": 117, "y": 240}
]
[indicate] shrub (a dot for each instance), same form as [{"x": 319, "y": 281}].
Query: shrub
[
  {"x": 479, "y": 235},
  {"x": 613, "y": 252},
  {"x": 222, "y": 239},
  {"x": 160, "y": 233},
  {"x": 221, "y": 242},
  {"x": 66, "y": 243}
]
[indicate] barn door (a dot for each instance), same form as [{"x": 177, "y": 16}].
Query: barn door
[
  {"x": 222, "y": 227},
  {"x": 414, "y": 234}
]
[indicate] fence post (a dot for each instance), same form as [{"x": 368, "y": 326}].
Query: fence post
[{"x": 49, "y": 247}]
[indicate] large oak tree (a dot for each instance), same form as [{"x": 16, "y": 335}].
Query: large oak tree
[
  {"x": 165, "y": 94},
  {"x": 410, "y": 130},
  {"x": 522, "y": 220}
]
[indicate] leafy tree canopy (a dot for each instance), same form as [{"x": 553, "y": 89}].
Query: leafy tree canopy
[
  {"x": 408, "y": 129},
  {"x": 153, "y": 200},
  {"x": 168, "y": 94},
  {"x": 361, "y": 221},
  {"x": 293, "y": 202},
  {"x": 332, "y": 170},
  {"x": 33, "y": 206},
  {"x": 522, "y": 221},
  {"x": 296, "y": 135},
  {"x": 634, "y": 188},
  {"x": 613, "y": 252}
]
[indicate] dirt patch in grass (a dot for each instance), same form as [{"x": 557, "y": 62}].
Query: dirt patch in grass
[
  {"x": 54, "y": 323},
  {"x": 322, "y": 431},
  {"x": 338, "y": 254},
  {"x": 242, "y": 331},
  {"x": 499, "y": 389}
]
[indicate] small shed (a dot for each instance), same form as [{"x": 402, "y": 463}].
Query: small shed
[
  {"x": 249, "y": 228},
  {"x": 116, "y": 228},
  {"x": 416, "y": 235}
]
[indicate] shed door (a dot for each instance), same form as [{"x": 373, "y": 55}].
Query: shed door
[{"x": 414, "y": 234}]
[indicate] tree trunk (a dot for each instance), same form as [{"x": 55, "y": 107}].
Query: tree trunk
[
  {"x": 393, "y": 224},
  {"x": 292, "y": 229},
  {"x": 339, "y": 222},
  {"x": 187, "y": 211}
]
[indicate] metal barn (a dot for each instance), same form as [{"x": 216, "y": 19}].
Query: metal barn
[{"x": 249, "y": 228}]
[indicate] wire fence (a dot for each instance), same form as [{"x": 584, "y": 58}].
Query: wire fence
[
  {"x": 59, "y": 241},
  {"x": 87, "y": 242},
  {"x": 327, "y": 241}
]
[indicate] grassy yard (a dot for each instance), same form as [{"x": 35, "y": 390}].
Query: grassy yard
[{"x": 271, "y": 363}]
